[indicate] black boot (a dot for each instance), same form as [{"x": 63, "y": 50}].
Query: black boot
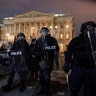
[
  {"x": 47, "y": 87},
  {"x": 9, "y": 82},
  {"x": 22, "y": 87},
  {"x": 41, "y": 89},
  {"x": 6, "y": 88}
]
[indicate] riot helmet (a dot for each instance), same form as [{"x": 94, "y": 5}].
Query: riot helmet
[
  {"x": 87, "y": 26},
  {"x": 44, "y": 31},
  {"x": 20, "y": 36}
]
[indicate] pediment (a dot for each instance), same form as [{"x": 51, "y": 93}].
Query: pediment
[{"x": 33, "y": 14}]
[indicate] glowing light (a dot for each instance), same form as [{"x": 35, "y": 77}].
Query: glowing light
[
  {"x": 56, "y": 27},
  {"x": 7, "y": 34},
  {"x": 58, "y": 15},
  {"x": 33, "y": 28},
  {"x": 67, "y": 36},
  {"x": 61, "y": 36},
  {"x": 8, "y": 18},
  {"x": 61, "y": 47},
  {"x": 67, "y": 26},
  {"x": 50, "y": 27}
]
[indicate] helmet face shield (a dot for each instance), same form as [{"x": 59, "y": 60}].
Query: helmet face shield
[
  {"x": 44, "y": 31},
  {"x": 88, "y": 26},
  {"x": 20, "y": 36}
]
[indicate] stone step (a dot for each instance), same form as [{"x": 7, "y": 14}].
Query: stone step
[{"x": 59, "y": 76}]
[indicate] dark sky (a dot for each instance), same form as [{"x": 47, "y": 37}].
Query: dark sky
[{"x": 82, "y": 10}]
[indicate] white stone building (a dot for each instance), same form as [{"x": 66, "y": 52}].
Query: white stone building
[{"x": 61, "y": 26}]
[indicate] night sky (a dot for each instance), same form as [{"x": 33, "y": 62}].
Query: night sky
[{"x": 82, "y": 10}]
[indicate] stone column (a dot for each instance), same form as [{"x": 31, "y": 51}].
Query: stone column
[
  {"x": 19, "y": 28},
  {"x": 26, "y": 33},
  {"x": 59, "y": 30},
  {"x": 35, "y": 30},
  {"x": 6, "y": 31},
  {"x": 52, "y": 32},
  {"x": 11, "y": 29},
  {"x": 40, "y": 25},
  {"x": 24, "y": 28},
  {"x": 8, "y": 28},
  {"x": 40, "y": 28},
  {"x": 29, "y": 29},
  {"x": 14, "y": 29},
  {"x": 47, "y": 25}
]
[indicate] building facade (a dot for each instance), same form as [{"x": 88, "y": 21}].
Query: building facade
[{"x": 61, "y": 26}]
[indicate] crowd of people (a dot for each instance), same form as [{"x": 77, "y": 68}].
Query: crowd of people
[
  {"x": 79, "y": 66},
  {"x": 36, "y": 59}
]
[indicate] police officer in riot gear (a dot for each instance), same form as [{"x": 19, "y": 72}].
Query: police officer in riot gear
[
  {"x": 46, "y": 47},
  {"x": 18, "y": 58},
  {"x": 79, "y": 61}
]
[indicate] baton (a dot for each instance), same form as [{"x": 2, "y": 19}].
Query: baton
[
  {"x": 67, "y": 80},
  {"x": 93, "y": 54}
]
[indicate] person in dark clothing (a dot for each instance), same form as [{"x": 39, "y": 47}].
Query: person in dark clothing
[
  {"x": 18, "y": 56},
  {"x": 34, "y": 59},
  {"x": 46, "y": 47},
  {"x": 56, "y": 59},
  {"x": 3, "y": 47},
  {"x": 79, "y": 61}
]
